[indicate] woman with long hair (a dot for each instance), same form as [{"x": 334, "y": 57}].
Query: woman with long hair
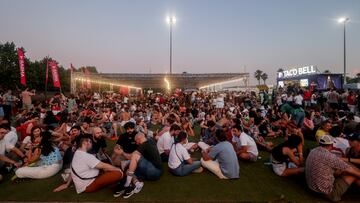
[{"x": 46, "y": 159}]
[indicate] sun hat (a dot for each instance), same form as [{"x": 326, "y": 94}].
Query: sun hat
[{"x": 326, "y": 140}]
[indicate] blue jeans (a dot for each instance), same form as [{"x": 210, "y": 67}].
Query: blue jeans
[
  {"x": 185, "y": 169},
  {"x": 299, "y": 118},
  {"x": 145, "y": 170}
]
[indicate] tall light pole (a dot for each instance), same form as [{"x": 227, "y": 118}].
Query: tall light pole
[
  {"x": 171, "y": 21},
  {"x": 344, "y": 20}
]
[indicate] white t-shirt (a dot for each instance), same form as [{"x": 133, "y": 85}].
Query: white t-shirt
[
  {"x": 27, "y": 140},
  {"x": 84, "y": 164},
  {"x": 298, "y": 99},
  {"x": 165, "y": 142},
  {"x": 8, "y": 142},
  {"x": 246, "y": 140},
  {"x": 178, "y": 154}
]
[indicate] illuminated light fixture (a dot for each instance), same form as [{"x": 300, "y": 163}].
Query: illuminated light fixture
[
  {"x": 171, "y": 20},
  {"x": 343, "y": 19},
  {"x": 167, "y": 83},
  {"x": 221, "y": 83},
  {"x": 108, "y": 83}
]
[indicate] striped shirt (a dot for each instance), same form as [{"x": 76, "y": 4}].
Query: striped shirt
[{"x": 320, "y": 168}]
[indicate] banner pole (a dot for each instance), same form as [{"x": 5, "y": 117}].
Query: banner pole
[{"x": 46, "y": 76}]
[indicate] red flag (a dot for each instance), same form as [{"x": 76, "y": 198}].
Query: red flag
[
  {"x": 22, "y": 66},
  {"x": 55, "y": 74}
]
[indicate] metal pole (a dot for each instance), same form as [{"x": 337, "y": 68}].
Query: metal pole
[
  {"x": 46, "y": 76},
  {"x": 344, "y": 52},
  {"x": 171, "y": 22}
]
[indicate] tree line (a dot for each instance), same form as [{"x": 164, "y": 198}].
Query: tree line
[{"x": 35, "y": 71}]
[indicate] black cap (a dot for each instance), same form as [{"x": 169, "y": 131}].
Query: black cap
[{"x": 353, "y": 137}]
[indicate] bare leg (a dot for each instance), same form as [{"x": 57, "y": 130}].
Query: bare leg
[{"x": 293, "y": 171}]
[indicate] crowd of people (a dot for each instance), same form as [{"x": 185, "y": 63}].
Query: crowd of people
[{"x": 70, "y": 135}]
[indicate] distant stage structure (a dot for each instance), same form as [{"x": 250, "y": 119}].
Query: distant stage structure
[{"x": 140, "y": 81}]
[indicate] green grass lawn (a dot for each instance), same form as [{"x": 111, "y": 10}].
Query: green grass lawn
[{"x": 257, "y": 183}]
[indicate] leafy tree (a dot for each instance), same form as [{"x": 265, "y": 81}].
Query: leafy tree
[
  {"x": 257, "y": 75},
  {"x": 35, "y": 71},
  {"x": 358, "y": 75},
  {"x": 264, "y": 77}
]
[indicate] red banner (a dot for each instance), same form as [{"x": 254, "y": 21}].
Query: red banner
[
  {"x": 55, "y": 74},
  {"x": 124, "y": 90},
  {"x": 22, "y": 66}
]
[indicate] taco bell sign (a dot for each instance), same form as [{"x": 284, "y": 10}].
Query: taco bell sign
[{"x": 307, "y": 70}]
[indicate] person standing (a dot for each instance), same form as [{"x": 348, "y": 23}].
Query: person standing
[{"x": 26, "y": 98}]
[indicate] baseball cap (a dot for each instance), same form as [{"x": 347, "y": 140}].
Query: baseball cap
[
  {"x": 353, "y": 137},
  {"x": 326, "y": 140}
]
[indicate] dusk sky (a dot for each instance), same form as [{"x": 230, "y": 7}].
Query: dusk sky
[{"x": 209, "y": 36}]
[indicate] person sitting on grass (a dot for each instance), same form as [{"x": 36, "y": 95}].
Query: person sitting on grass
[
  {"x": 180, "y": 162},
  {"x": 221, "y": 159},
  {"x": 209, "y": 134},
  {"x": 244, "y": 145},
  {"x": 125, "y": 146},
  {"x": 327, "y": 174},
  {"x": 47, "y": 159},
  {"x": 323, "y": 130},
  {"x": 9, "y": 154},
  {"x": 166, "y": 140},
  {"x": 145, "y": 164},
  {"x": 31, "y": 141},
  {"x": 85, "y": 170},
  {"x": 352, "y": 154},
  {"x": 284, "y": 159}
]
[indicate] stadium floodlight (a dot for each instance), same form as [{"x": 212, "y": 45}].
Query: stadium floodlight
[{"x": 343, "y": 20}]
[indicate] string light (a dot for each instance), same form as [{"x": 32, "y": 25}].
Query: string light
[
  {"x": 221, "y": 83},
  {"x": 106, "y": 83},
  {"x": 167, "y": 83}
]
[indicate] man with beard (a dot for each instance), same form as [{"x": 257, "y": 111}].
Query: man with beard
[{"x": 126, "y": 143}]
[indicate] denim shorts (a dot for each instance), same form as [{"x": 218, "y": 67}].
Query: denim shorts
[{"x": 145, "y": 170}]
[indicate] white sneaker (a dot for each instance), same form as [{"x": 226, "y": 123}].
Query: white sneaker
[
  {"x": 138, "y": 186},
  {"x": 198, "y": 170},
  {"x": 65, "y": 176}
]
